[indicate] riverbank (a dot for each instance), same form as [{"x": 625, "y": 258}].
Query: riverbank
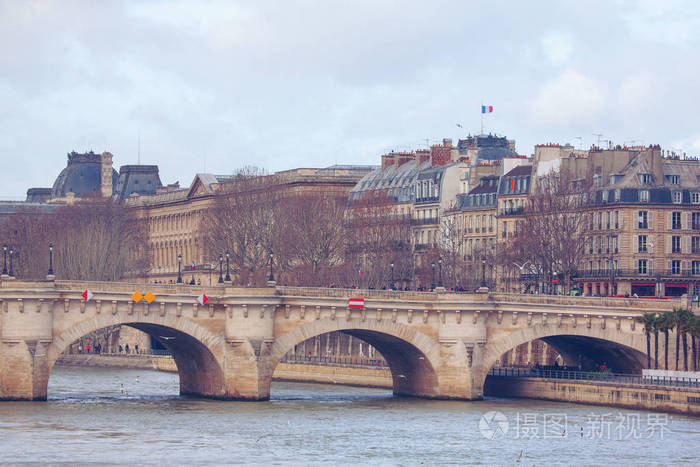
[
  {"x": 680, "y": 400},
  {"x": 293, "y": 372}
]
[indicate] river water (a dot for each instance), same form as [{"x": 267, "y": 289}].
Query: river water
[{"x": 101, "y": 416}]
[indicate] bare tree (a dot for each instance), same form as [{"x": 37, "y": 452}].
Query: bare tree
[
  {"x": 95, "y": 239},
  {"x": 378, "y": 237}
]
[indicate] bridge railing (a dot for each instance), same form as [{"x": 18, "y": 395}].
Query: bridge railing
[
  {"x": 355, "y": 362},
  {"x": 607, "y": 377}
]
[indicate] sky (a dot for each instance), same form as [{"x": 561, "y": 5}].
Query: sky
[{"x": 217, "y": 85}]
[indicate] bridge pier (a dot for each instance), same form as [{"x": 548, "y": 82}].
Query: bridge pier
[{"x": 24, "y": 370}]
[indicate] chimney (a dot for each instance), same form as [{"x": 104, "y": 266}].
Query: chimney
[{"x": 106, "y": 175}]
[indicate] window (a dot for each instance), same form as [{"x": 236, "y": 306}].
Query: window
[
  {"x": 642, "y": 223},
  {"x": 617, "y": 195},
  {"x": 676, "y": 244},
  {"x": 673, "y": 179},
  {"x": 677, "y": 197},
  {"x": 695, "y": 267},
  {"x": 676, "y": 220},
  {"x": 695, "y": 197},
  {"x": 605, "y": 196},
  {"x": 696, "y": 220},
  {"x": 695, "y": 245},
  {"x": 644, "y": 196},
  {"x": 676, "y": 266},
  {"x": 645, "y": 179},
  {"x": 596, "y": 180},
  {"x": 642, "y": 266},
  {"x": 642, "y": 243}
]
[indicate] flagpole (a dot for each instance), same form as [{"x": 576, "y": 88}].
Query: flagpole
[{"x": 482, "y": 117}]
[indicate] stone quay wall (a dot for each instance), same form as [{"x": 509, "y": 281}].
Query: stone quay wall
[
  {"x": 658, "y": 398},
  {"x": 297, "y": 372}
]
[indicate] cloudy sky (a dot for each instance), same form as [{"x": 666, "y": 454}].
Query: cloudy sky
[{"x": 284, "y": 84}]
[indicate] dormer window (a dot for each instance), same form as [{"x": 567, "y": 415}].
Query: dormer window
[
  {"x": 605, "y": 196},
  {"x": 645, "y": 179},
  {"x": 596, "y": 180},
  {"x": 695, "y": 197},
  {"x": 644, "y": 196},
  {"x": 617, "y": 195},
  {"x": 673, "y": 179},
  {"x": 677, "y": 197}
]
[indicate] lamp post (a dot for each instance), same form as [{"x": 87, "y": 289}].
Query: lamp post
[
  {"x": 11, "y": 270},
  {"x": 483, "y": 271},
  {"x": 272, "y": 277},
  {"x": 179, "y": 268},
  {"x": 440, "y": 272},
  {"x": 432, "y": 282},
  {"x": 221, "y": 269},
  {"x": 228, "y": 276},
  {"x": 4, "y": 260},
  {"x": 391, "y": 286},
  {"x": 50, "y": 272}
]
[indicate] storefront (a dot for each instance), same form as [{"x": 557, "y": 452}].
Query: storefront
[
  {"x": 644, "y": 289},
  {"x": 676, "y": 289}
]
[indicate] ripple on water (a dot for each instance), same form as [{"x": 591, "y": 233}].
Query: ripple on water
[{"x": 87, "y": 417}]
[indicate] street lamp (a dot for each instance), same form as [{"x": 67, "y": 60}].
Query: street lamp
[
  {"x": 221, "y": 269},
  {"x": 483, "y": 271},
  {"x": 432, "y": 282},
  {"x": 4, "y": 261},
  {"x": 440, "y": 273},
  {"x": 179, "y": 268},
  {"x": 392, "y": 276},
  {"x": 228, "y": 276},
  {"x": 11, "y": 271},
  {"x": 272, "y": 277},
  {"x": 50, "y": 272}
]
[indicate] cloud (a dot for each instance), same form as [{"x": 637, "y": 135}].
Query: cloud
[
  {"x": 557, "y": 47},
  {"x": 567, "y": 100},
  {"x": 638, "y": 92}
]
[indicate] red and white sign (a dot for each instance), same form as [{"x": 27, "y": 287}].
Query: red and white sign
[
  {"x": 202, "y": 299},
  {"x": 356, "y": 302},
  {"x": 87, "y": 295}
]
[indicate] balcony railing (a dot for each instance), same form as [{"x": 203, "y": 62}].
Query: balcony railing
[
  {"x": 428, "y": 199},
  {"x": 424, "y": 221},
  {"x": 513, "y": 211},
  {"x": 665, "y": 273}
]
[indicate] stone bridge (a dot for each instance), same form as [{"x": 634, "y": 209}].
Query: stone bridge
[{"x": 438, "y": 345}]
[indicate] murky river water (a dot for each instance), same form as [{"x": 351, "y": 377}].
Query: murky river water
[{"x": 89, "y": 420}]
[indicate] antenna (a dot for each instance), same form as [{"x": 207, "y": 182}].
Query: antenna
[{"x": 599, "y": 135}]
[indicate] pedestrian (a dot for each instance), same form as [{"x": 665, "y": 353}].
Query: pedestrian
[
  {"x": 136, "y": 349},
  {"x": 87, "y": 348},
  {"x": 127, "y": 349},
  {"x": 121, "y": 349}
]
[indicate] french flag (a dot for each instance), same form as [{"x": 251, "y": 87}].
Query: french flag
[{"x": 486, "y": 109}]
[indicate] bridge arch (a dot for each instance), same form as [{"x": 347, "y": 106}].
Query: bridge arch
[
  {"x": 623, "y": 351},
  {"x": 411, "y": 355},
  {"x": 198, "y": 353}
]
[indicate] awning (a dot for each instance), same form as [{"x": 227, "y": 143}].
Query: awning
[{"x": 676, "y": 285}]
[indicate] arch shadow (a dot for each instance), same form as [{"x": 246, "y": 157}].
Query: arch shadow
[
  {"x": 621, "y": 352},
  {"x": 195, "y": 350},
  {"x": 409, "y": 354}
]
